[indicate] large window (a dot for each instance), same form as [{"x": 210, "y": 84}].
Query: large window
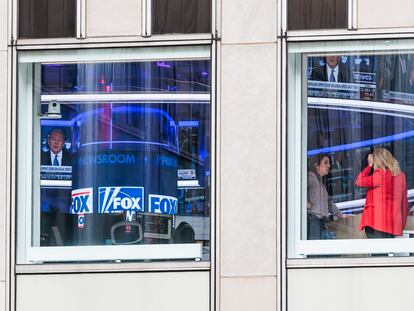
[
  {"x": 350, "y": 149},
  {"x": 114, "y": 157}
]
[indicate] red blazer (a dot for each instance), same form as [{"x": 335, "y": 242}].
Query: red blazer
[{"x": 386, "y": 204}]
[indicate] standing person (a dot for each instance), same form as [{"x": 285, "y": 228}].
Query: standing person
[
  {"x": 320, "y": 207},
  {"x": 386, "y": 205},
  {"x": 56, "y": 155}
]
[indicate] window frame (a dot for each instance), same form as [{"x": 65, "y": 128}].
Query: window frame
[
  {"x": 81, "y": 34},
  {"x": 352, "y": 22},
  {"x": 78, "y": 17},
  {"x": 352, "y": 31},
  {"x": 147, "y": 18},
  {"x": 348, "y": 18},
  {"x": 28, "y": 179},
  {"x": 296, "y": 125}
]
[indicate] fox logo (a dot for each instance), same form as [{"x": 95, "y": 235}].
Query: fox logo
[
  {"x": 162, "y": 204},
  {"x": 119, "y": 199},
  {"x": 82, "y": 201}
]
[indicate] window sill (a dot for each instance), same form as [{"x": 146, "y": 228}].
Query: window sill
[
  {"x": 113, "y": 267},
  {"x": 166, "y": 39},
  {"x": 390, "y": 261}
]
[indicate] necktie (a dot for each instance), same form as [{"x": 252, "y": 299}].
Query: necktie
[
  {"x": 55, "y": 161},
  {"x": 332, "y": 77}
]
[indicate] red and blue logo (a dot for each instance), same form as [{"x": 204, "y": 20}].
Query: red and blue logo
[
  {"x": 82, "y": 201},
  {"x": 81, "y": 221}
]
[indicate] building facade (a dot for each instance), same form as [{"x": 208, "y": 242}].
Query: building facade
[{"x": 206, "y": 154}]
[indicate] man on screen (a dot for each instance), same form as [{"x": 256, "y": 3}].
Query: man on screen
[
  {"x": 333, "y": 71},
  {"x": 56, "y": 155}
]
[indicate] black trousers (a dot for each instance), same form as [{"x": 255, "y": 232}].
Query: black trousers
[
  {"x": 316, "y": 227},
  {"x": 371, "y": 233}
]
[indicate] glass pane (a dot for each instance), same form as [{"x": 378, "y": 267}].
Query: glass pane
[
  {"x": 167, "y": 76},
  {"x": 360, "y": 145},
  {"x": 47, "y": 18},
  {"x": 181, "y": 16},
  {"x": 122, "y": 161},
  {"x": 317, "y": 14}
]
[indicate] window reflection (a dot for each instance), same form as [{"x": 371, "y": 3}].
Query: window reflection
[
  {"x": 385, "y": 78},
  {"x": 360, "y": 146},
  {"x": 121, "y": 172}
]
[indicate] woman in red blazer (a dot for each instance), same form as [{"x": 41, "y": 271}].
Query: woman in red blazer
[{"x": 386, "y": 205}]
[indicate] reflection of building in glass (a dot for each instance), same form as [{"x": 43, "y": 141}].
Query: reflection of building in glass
[
  {"x": 139, "y": 162},
  {"x": 388, "y": 78},
  {"x": 350, "y": 136}
]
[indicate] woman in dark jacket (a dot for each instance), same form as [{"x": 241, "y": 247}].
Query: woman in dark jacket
[{"x": 320, "y": 207}]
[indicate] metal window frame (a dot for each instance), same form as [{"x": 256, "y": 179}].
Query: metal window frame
[
  {"x": 13, "y": 13},
  {"x": 352, "y": 23},
  {"x": 351, "y": 32},
  {"x": 215, "y": 225},
  {"x": 352, "y": 14},
  {"x": 281, "y": 173},
  {"x": 211, "y": 266},
  {"x": 80, "y": 19},
  {"x": 81, "y": 28},
  {"x": 284, "y": 40},
  {"x": 146, "y": 18},
  {"x": 80, "y": 42},
  {"x": 284, "y": 264},
  {"x": 212, "y": 216},
  {"x": 302, "y": 50},
  {"x": 11, "y": 186}
]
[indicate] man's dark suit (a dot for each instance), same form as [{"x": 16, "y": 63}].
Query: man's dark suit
[
  {"x": 319, "y": 73},
  {"x": 66, "y": 158}
]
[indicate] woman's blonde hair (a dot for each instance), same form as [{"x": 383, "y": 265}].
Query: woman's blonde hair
[{"x": 384, "y": 159}]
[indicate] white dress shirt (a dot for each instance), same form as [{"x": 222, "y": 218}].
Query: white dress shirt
[
  {"x": 59, "y": 157},
  {"x": 336, "y": 71}
]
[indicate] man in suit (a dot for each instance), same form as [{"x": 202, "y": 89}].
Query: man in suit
[
  {"x": 56, "y": 155},
  {"x": 333, "y": 71}
]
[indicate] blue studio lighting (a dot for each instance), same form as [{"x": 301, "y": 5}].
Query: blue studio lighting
[{"x": 363, "y": 143}]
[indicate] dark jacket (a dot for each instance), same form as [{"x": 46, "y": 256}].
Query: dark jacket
[
  {"x": 319, "y": 74},
  {"x": 66, "y": 158}
]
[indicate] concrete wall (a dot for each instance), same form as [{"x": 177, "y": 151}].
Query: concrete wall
[
  {"x": 109, "y": 18},
  {"x": 179, "y": 291},
  {"x": 248, "y": 155},
  {"x": 385, "y": 13},
  {"x": 351, "y": 289}
]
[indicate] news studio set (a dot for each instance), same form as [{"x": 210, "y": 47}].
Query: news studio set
[
  {"x": 121, "y": 166},
  {"x": 357, "y": 103}
]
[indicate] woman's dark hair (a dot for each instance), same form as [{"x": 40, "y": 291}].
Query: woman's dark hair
[{"x": 316, "y": 161}]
